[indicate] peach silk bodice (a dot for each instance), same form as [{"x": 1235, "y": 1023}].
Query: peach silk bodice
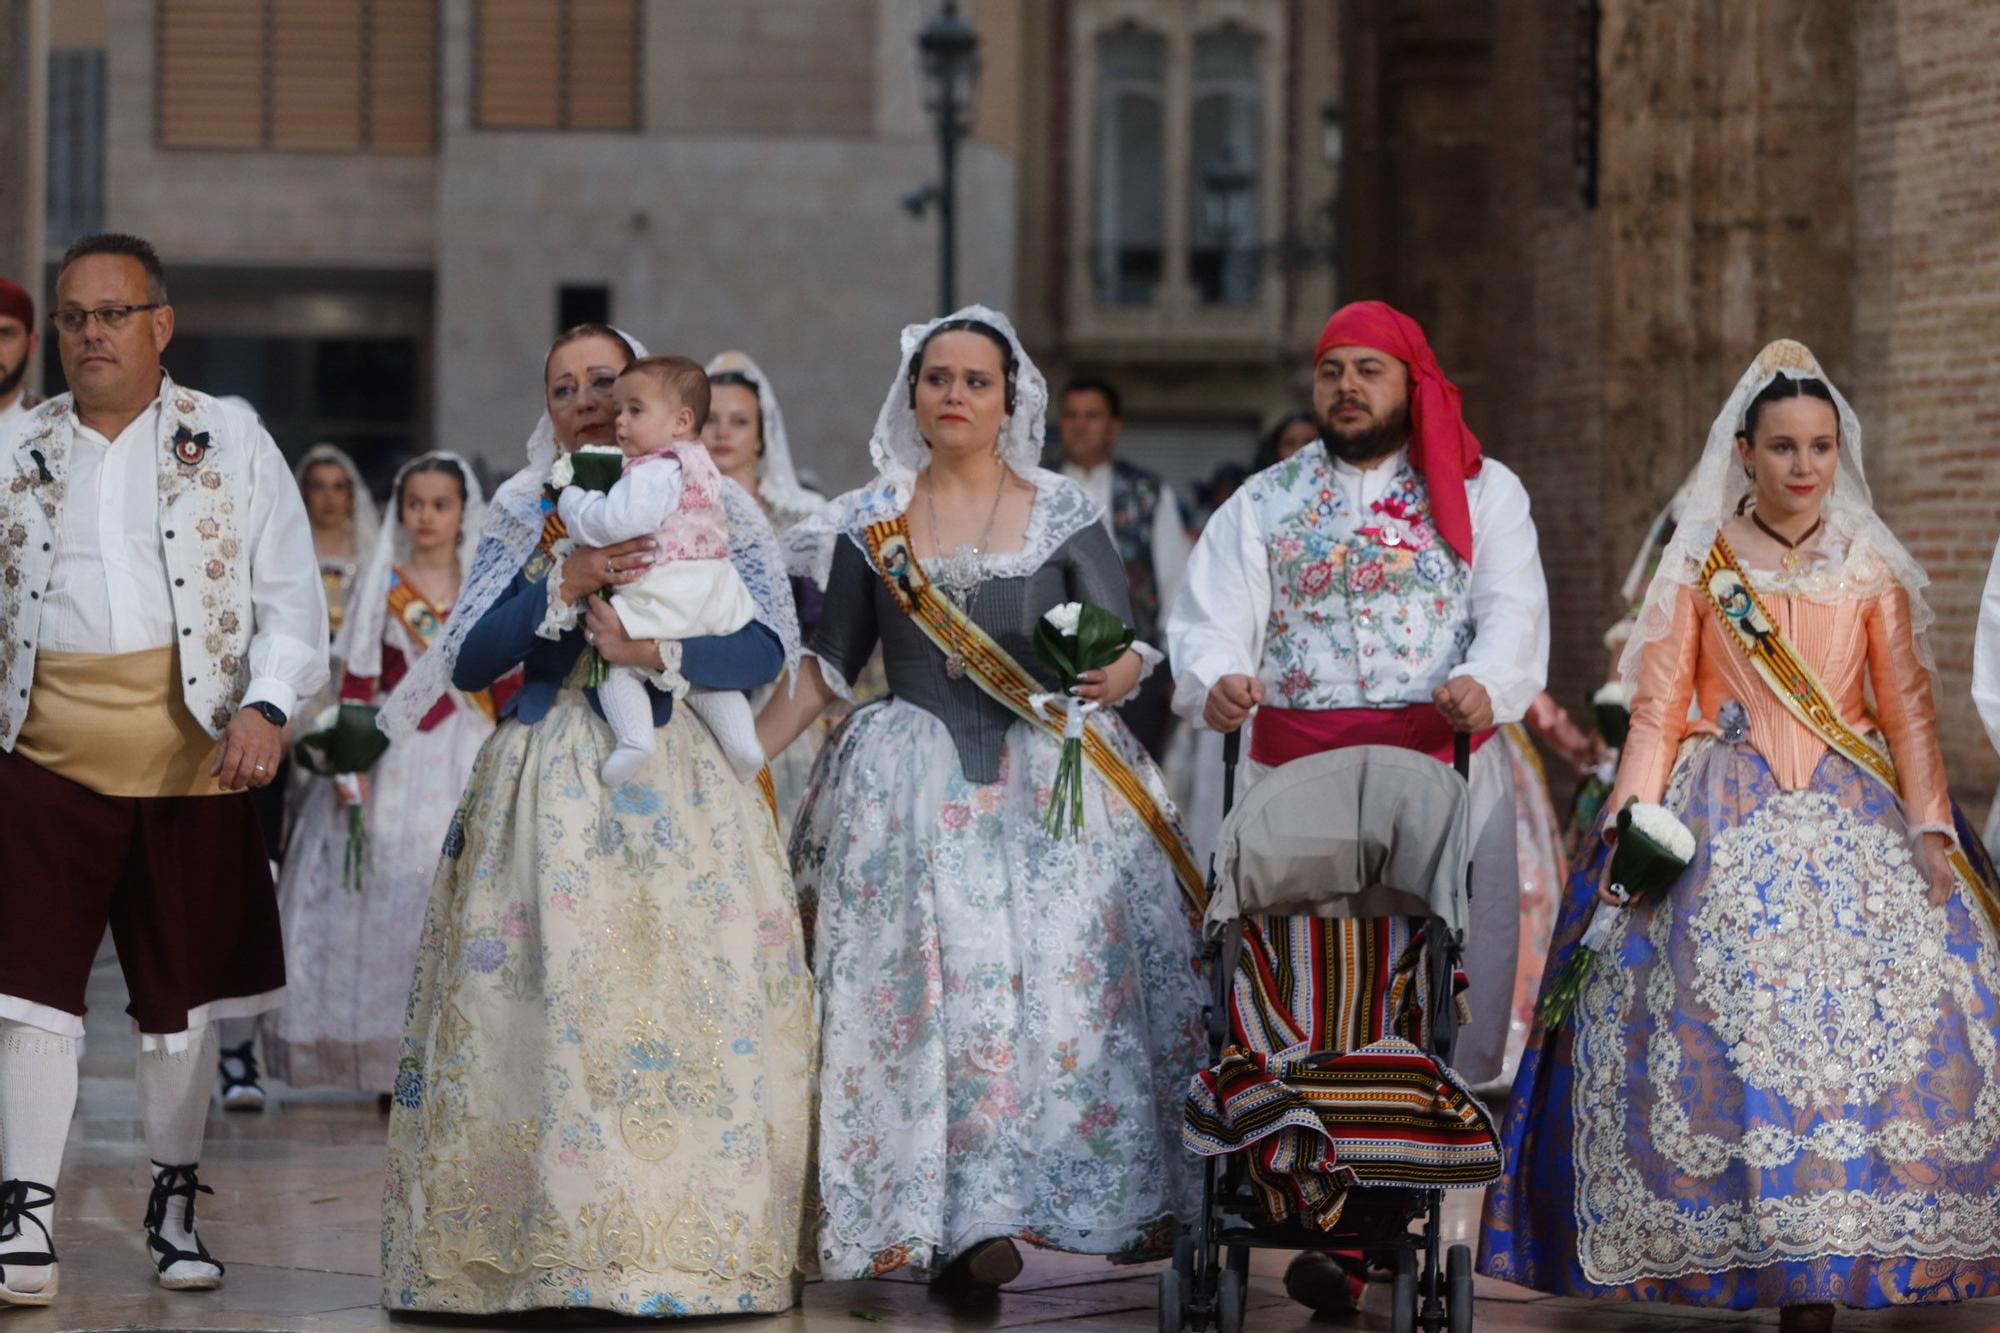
[{"x": 1864, "y": 637}]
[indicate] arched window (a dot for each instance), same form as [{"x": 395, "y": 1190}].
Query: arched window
[
  {"x": 1129, "y": 248},
  {"x": 1226, "y": 167}
]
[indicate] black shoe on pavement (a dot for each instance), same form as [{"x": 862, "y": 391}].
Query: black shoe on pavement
[
  {"x": 240, "y": 1089},
  {"x": 1323, "y": 1284}
]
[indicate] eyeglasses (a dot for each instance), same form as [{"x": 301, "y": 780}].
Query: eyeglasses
[{"x": 110, "y": 316}]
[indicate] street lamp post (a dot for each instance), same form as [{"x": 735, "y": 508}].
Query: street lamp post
[{"x": 949, "y": 48}]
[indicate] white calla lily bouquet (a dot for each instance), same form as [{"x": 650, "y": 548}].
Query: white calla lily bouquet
[{"x": 1072, "y": 640}]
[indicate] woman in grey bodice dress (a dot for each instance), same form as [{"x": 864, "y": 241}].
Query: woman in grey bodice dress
[{"x": 1010, "y": 1018}]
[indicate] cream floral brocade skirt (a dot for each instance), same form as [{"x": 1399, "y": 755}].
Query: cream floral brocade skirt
[{"x": 605, "y": 1092}]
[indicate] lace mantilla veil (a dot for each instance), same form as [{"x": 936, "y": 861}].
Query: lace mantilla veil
[
  {"x": 777, "y": 477},
  {"x": 513, "y": 529},
  {"x": 1062, "y": 508},
  {"x": 359, "y": 644},
  {"x": 1708, "y": 499},
  {"x": 362, "y": 523}
]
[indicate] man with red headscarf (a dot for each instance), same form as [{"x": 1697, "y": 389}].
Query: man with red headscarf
[
  {"x": 1382, "y": 586},
  {"x": 17, "y": 349}
]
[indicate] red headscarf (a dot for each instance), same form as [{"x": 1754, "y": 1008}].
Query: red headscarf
[
  {"x": 1441, "y": 446},
  {"x": 15, "y": 301}
]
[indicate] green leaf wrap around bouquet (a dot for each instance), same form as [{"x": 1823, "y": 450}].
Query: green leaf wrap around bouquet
[
  {"x": 1650, "y": 854},
  {"x": 1614, "y": 723},
  {"x": 1099, "y": 639},
  {"x": 595, "y": 468},
  {"x": 1654, "y": 849},
  {"x": 347, "y": 742},
  {"x": 1072, "y": 639},
  {"x": 1612, "y": 709}
]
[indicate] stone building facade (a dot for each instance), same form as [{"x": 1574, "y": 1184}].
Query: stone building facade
[
  {"x": 1602, "y": 208},
  {"x": 377, "y": 217}
]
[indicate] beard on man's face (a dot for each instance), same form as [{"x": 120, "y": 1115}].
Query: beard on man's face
[
  {"x": 1365, "y": 444},
  {"x": 10, "y": 378}
]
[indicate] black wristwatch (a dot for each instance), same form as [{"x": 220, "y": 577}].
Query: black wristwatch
[{"x": 270, "y": 712}]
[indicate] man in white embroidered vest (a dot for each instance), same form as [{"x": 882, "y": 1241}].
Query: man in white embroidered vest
[
  {"x": 163, "y": 616},
  {"x": 1144, "y": 516},
  {"x": 17, "y": 349},
  {"x": 1382, "y": 586}
]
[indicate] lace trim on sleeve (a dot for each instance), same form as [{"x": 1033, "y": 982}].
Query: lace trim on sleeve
[{"x": 561, "y": 617}]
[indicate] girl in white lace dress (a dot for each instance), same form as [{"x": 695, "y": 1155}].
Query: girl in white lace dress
[{"x": 350, "y": 941}]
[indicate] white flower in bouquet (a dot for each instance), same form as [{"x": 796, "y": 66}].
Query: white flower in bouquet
[
  {"x": 1615, "y": 694},
  {"x": 1667, "y": 832},
  {"x": 561, "y": 472},
  {"x": 1065, "y": 618}
]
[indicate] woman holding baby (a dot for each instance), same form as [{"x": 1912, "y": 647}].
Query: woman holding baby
[{"x": 604, "y": 1089}]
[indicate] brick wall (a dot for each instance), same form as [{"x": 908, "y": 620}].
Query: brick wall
[{"x": 1927, "y": 319}]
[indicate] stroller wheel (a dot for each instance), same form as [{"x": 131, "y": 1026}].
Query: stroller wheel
[
  {"x": 1229, "y": 1302},
  {"x": 1170, "y": 1301},
  {"x": 1403, "y": 1295},
  {"x": 1458, "y": 1289}
]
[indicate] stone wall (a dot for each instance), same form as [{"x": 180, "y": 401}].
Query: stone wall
[
  {"x": 23, "y": 93},
  {"x": 1927, "y": 318},
  {"x": 791, "y": 246}
]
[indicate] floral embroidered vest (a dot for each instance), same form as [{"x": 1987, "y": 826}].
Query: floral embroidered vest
[
  {"x": 205, "y": 469},
  {"x": 697, "y": 529},
  {"x": 1368, "y": 609},
  {"x": 1135, "y": 497}
]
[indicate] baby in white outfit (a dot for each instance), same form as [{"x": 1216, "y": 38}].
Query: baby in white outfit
[{"x": 670, "y": 490}]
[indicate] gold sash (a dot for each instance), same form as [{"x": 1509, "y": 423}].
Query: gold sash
[
  {"x": 115, "y": 723},
  {"x": 422, "y": 619},
  {"x": 1798, "y": 688},
  {"x": 996, "y": 672}
]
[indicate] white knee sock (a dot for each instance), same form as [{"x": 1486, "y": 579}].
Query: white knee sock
[
  {"x": 728, "y": 715},
  {"x": 173, "y": 1104},
  {"x": 37, "y": 1099},
  {"x": 630, "y": 713},
  {"x": 231, "y": 1032}
]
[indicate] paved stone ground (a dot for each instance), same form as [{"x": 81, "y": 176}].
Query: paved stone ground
[{"x": 296, "y": 1217}]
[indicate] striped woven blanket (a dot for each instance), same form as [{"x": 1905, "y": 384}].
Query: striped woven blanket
[{"x": 1324, "y": 1090}]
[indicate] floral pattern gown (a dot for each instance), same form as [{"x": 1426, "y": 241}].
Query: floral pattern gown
[
  {"x": 1781, "y": 1083},
  {"x": 604, "y": 1098},
  {"x": 1010, "y": 1019}
]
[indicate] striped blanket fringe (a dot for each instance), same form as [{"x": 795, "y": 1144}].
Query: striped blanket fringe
[{"x": 1325, "y": 1089}]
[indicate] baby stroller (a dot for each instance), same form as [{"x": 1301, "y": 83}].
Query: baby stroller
[{"x": 1330, "y": 1118}]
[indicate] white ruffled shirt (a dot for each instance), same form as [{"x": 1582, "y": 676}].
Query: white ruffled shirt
[
  {"x": 1986, "y": 654},
  {"x": 1216, "y": 626}
]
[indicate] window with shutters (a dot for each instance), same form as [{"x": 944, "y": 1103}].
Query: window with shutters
[
  {"x": 1175, "y": 147},
  {"x": 330, "y": 76},
  {"x": 557, "y": 65}
]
